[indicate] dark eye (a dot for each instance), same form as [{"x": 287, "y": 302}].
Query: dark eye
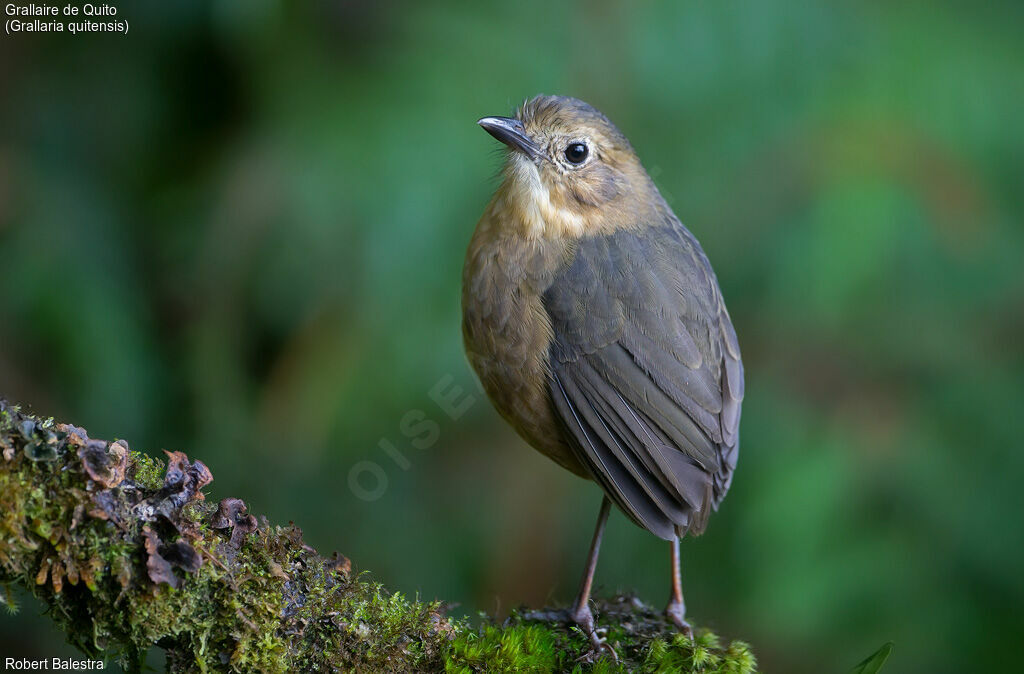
[{"x": 576, "y": 153}]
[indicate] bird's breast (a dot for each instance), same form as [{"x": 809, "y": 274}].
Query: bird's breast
[{"x": 507, "y": 331}]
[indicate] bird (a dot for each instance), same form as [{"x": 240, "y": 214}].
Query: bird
[{"x": 597, "y": 328}]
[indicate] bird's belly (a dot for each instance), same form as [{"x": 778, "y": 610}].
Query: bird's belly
[{"x": 507, "y": 336}]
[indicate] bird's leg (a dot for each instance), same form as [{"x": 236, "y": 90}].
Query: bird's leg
[
  {"x": 581, "y": 612},
  {"x": 676, "y": 609}
]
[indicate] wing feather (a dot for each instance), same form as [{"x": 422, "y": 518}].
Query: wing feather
[{"x": 646, "y": 374}]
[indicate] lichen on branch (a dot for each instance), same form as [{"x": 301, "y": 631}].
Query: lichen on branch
[{"x": 128, "y": 553}]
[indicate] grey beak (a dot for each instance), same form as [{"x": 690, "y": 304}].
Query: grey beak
[{"x": 510, "y": 132}]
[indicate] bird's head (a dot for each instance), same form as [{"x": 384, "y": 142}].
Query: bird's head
[{"x": 569, "y": 171}]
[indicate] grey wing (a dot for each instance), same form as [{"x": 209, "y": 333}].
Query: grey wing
[{"x": 646, "y": 375}]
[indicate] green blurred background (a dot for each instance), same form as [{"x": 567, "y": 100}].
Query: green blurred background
[{"x": 239, "y": 231}]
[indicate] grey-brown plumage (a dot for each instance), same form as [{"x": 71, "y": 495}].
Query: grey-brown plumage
[
  {"x": 596, "y": 323},
  {"x": 646, "y": 374}
]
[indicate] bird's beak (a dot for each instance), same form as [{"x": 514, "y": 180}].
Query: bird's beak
[{"x": 510, "y": 132}]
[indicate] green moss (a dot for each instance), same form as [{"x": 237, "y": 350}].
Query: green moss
[
  {"x": 256, "y": 598},
  {"x": 520, "y": 648},
  {"x": 643, "y": 640},
  {"x": 148, "y": 471}
]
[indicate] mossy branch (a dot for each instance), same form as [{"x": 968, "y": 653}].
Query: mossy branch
[{"x": 127, "y": 553}]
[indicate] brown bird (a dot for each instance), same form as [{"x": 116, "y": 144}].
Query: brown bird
[{"x": 597, "y": 328}]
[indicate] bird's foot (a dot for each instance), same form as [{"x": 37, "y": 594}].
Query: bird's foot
[
  {"x": 584, "y": 619},
  {"x": 676, "y": 612}
]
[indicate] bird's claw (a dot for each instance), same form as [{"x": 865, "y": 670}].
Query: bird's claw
[
  {"x": 584, "y": 619},
  {"x": 597, "y": 646},
  {"x": 675, "y": 611}
]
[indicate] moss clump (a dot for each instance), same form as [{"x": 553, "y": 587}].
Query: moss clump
[
  {"x": 545, "y": 641},
  {"x": 704, "y": 654},
  {"x": 127, "y": 553},
  {"x": 516, "y": 648},
  {"x": 147, "y": 471}
]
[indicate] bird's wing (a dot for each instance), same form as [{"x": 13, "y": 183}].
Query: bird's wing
[{"x": 646, "y": 375}]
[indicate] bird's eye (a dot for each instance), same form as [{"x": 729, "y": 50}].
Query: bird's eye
[{"x": 577, "y": 153}]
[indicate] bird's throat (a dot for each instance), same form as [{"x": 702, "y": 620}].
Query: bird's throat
[{"x": 525, "y": 202}]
